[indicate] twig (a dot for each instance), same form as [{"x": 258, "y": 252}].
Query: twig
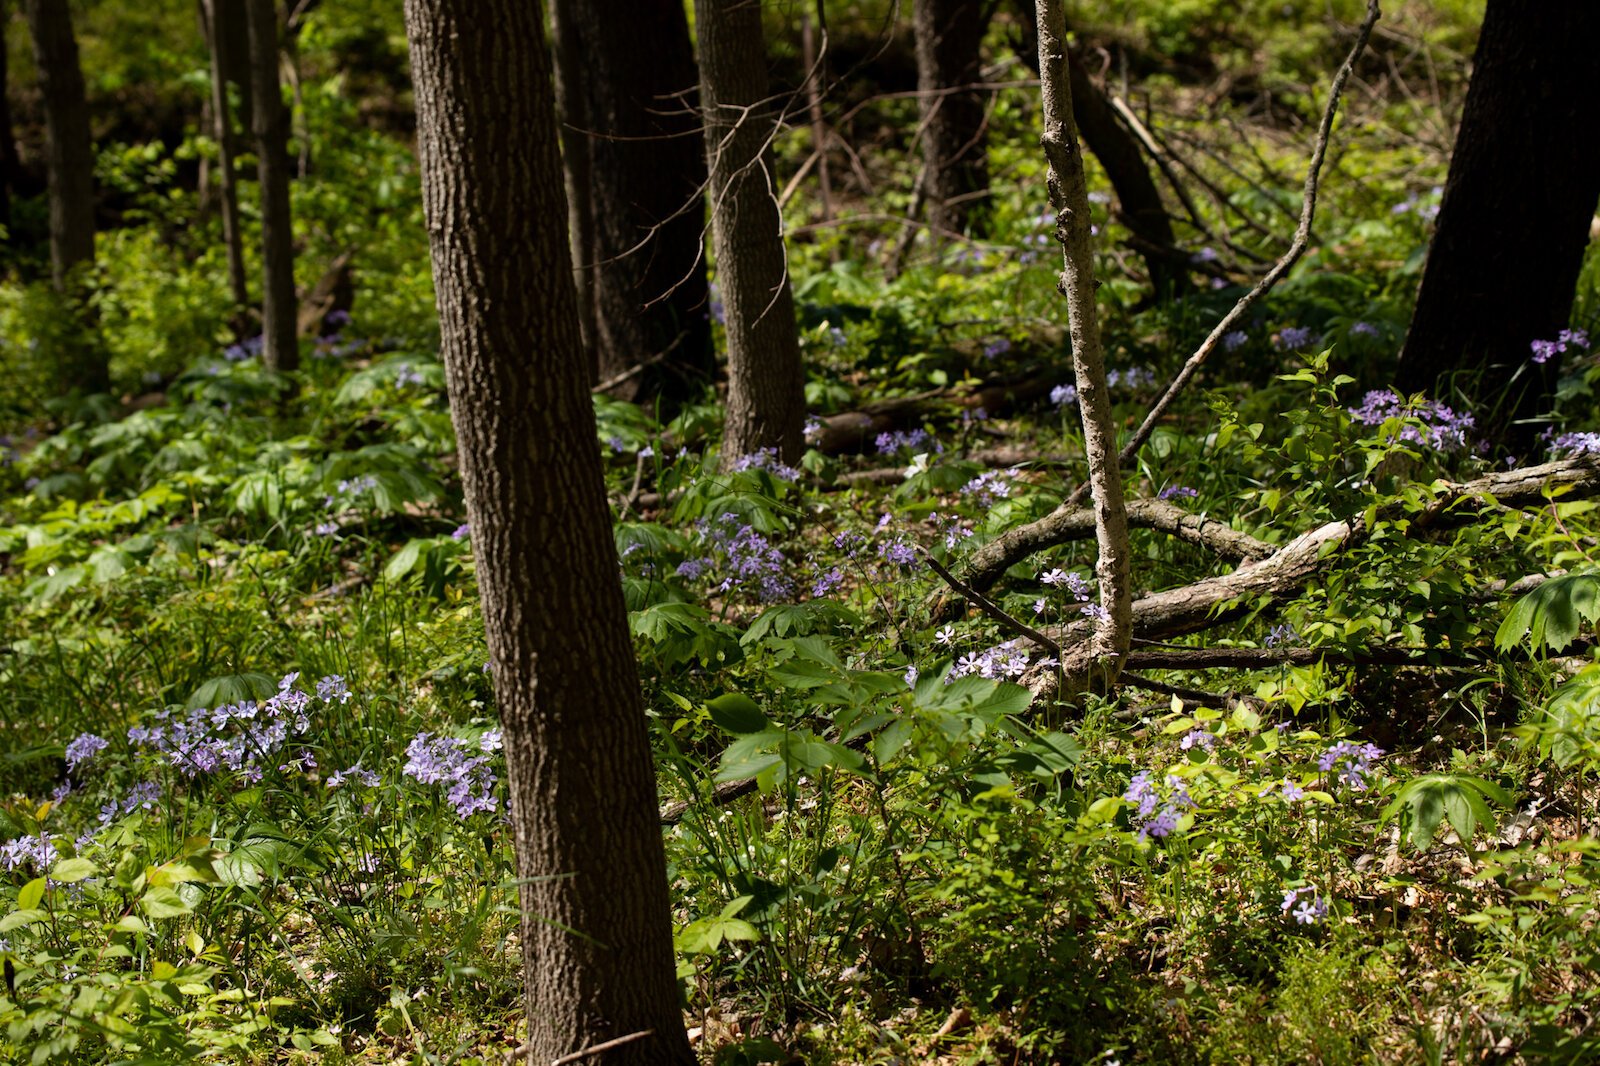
[
  {"x": 1194, "y": 696},
  {"x": 1297, "y": 248},
  {"x": 988, "y": 606}
]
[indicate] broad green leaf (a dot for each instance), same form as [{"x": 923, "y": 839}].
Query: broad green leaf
[
  {"x": 737, "y": 713},
  {"x": 31, "y": 894},
  {"x": 70, "y": 871}
]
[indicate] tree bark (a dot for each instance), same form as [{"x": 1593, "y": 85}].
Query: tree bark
[
  {"x": 766, "y": 382},
  {"x": 1523, "y": 183},
  {"x": 1070, "y": 196},
  {"x": 219, "y": 18},
  {"x": 280, "y": 346},
  {"x": 70, "y": 148},
  {"x": 636, "y": 176},
  {"x": 949, "y": 35},
  {"x": 1139, "y": 200},
  {"x": 596, "y": 930},
  {"x": 8, "y": 142},
  {"x": 70, "y": 154}
]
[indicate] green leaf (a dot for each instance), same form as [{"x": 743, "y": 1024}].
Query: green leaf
[
  {"x": 31, "y": 894},
  {"x": 737, "y": 713},
  {"x": 164, "y": 902},
  {"x": 19, "y": 918},
  {"x": 1550, "y": 616},
  {"x": 887, "y": 744},
  {"x": 71, "y": 871}
]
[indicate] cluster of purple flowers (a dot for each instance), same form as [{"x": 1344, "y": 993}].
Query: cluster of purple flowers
[
  {"x": 237, "y": 737},
  {"x": 1135, "y": 377},
  {"x": 1064, "y": 395},
  {"x": 83, "y": 748},
  {"x": 1235, "y": 339},
  {"x": 1282, "y": 633},
  {"x": 996, "y": 348},
  {"x": 1351, "y": 760},
  {"x": 1292, "y": 338},
  {"x": 1004, "y": 662},
  {"x": 766, "y": 459},
  {"x": 1075, "y": 585},
  {"x": 1203, "y": 739},
  {"x": 1157, "y": 808},
  {"x": 36, "y": 852},
  {"x": 744, "y": 558},
  {"x": 916, "y": 441},
  {"x": 989, "y": 487},
  {"x": 1173, "y": 492},
  {"x": 1441, "y": 428},
  {"x": 405, "y": 375},
  {"x": 448, "y": 761},
  {"x": 462, "y": 532},
  {"x": 238, "y": 353},
  {"x": 1575, "y": 443},
  {"x": 837, "y": 337},
  {"x": 826, "y": 581},
  {"x": 1544, "y": 351},
  {"x": 1363, "y": 329},
  {"x": 1427, "y": 211},
  {"x": 1207, "y": 254},
  {"x": 144, "y": 795},
  {"x": 898, "y": 552},
  {"x": 1312, "y": 907},
  {"x": 354, "y": 773}
]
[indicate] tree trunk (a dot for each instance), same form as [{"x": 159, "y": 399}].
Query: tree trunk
[
  {"x": 1139, "y": 201},
  {"x": 8, "y": 143},
  {"x": 1523, "y": 183},
  {"x": 280, "y": 347},
  {"x": 219, "y": 14},
  {"x": 1069, "y": 194},
  {"x": 635, "y": 191},
  {"x": 766, "y": 382},
  {"x": 949, "y": 34},
  {"x": 70, "y": 153},
  {"x": 596, "y": 930}
]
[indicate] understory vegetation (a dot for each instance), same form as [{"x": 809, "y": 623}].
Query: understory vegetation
[{"x": 252, "y": 804}]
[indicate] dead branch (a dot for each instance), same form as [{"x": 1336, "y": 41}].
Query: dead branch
[{"x": 1280, "y": 269}]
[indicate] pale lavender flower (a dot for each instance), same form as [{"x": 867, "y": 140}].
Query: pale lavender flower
[
  {"x": 37, "y": 852},
  {"x": 1064, "y": 395},
  {"x": 996, "y": 348},
  {"x": 462, "y": 532},
  {"x": 945, "y": 635},
  {"x": 1363, "y": 329},
  {"x": 1291, "y": 338},
  {"x": 353, "y": 773},
  {"x": 1176, "y": 491},
  {"x": 1094, "y": 611},
  {"x": 83, "y": 748},
  {"x": 1235, "y": 340}
]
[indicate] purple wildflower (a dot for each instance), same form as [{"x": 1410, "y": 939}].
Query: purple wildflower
[
  {"x": 83, "y": 748},
  {"x": 1291, "y": 338},
  {"x": 1172, "y": 492},
  {"x": 1235, "y": 340},
  {"x": 996, "y": 348},
  {"x": 1064, "y": 395}
]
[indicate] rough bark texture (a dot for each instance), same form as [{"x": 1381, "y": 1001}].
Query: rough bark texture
[
  {"x": 1140, "y": 207},
  {"x": 766, "y": 383},
  {"x": 220, "y": 16},
  {"x": 636, "y": 171},
  {"x": 597, "y": 937},
  {"x": 8, "y": 142},
  {"x": 269, "y": 122},
  {"x": 949, "y": 34},
  {"x": 70, "y": 151},
  {"x": 1523, "y": 183},
  {"x": 70, "y": 156},
  {"x": 1069, "y": 194}
]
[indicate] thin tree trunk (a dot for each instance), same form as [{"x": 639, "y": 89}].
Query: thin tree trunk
[
  {"x": 1524, "y": 180},
  {"x": 766, "y": 382},
  {"x": 1069, "y": 195},
  {"x": 636, "y": 174},
  {"x": 596, "y": 929},
  {"x": 819, "y": 125},
  {"x": 1115, "y": 146},
  {"x": 216, "y": 14},
  {"x": 955, "y": 166},
  {"x": 70, "y": 153},
  {"x": 8, "y": 142},
  {"x": 280, "y": 346}
]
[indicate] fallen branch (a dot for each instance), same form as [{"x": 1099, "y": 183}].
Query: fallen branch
[{"x": 989, "y": 607}]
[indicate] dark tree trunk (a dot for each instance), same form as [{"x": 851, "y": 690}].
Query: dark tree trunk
[
  {"x": 636, "y": 176},
  {"x": 1139, "y": 201},
  {"x": 596, "y": 930},
  {"x": 766, "y": 382},
  {"x": 955, "y": 165},
  {"x": 70, "y": 153},
  {"x": 1524, "y": 180},
  {"x": 280, "y": 347},
  {"x": 8, "y": 143},
  {"x": 219, "y": 18},
  {"x": 70, "y": 149}
]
